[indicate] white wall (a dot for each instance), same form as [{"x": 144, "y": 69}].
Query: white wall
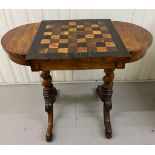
[{"x": 140, "y": 70}]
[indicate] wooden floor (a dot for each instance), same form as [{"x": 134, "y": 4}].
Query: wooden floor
[{"x": 78, "y": 115}]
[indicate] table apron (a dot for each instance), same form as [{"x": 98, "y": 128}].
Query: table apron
[{"x": 38, "y": 66}]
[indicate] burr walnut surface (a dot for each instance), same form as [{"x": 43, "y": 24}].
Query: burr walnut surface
[{"x": 136, "y": 39}]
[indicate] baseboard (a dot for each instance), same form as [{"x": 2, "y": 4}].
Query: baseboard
[{"x": 63, "y": 82}]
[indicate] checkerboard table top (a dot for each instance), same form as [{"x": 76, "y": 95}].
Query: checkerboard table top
[{"x": 93, "y": 38}]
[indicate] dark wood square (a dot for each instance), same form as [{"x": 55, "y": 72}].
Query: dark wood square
[
  {"x": 63, "y": 45},
  {"x": 63, "y": 36},
  {"x": 100, "y": 44},
  {"x": 76, "y": 39}
]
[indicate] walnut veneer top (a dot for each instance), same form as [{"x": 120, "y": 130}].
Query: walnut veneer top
[{"x": 17, "y": 41}]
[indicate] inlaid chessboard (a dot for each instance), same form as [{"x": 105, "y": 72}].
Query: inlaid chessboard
[{"x": 76, "y": 39}]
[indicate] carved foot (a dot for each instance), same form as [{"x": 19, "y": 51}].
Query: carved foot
[
  {"x": 49, "y": 137},
  {"x": 107, "y": 123},
  {"x": 108, "y": 133},
  {"x": 49, "y": 133}
]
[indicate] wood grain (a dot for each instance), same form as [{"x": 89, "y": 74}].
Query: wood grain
[{"x": 17, "y": 41}]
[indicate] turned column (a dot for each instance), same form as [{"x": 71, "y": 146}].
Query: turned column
[
  {"x": 105, "y": 93},
  {"x": 49, "y": 93}
]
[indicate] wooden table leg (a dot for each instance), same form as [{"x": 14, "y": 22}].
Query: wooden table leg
[
  {"x": 49, "y": 92},
  {"x": 105, "y": 93}
]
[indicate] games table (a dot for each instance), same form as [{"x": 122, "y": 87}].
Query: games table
[{"x": 76, "y": 45}]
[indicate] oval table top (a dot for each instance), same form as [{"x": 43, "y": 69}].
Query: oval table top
[{"x": 17, "y": 41}]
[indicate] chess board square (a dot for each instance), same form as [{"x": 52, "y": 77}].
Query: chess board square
[
  {"x": 64, "y": 33},
  {"x": 80, "y": 26},
  {"x": 56, "y": 29},
  {"x": 53, "y": 45},
  {"x": 72, "y": 40},
  {"x": 92, "y": 49},
  {"x": 72, "y": 29},
  {"x": 53, "y": 50},
  {"x": 81, "y": 32},
  {"x": 65, "y": 22},
  {"x": 63, "y": 36},
  {"x": 97, "y": 32},
  {"x": 101, "y": 49},
  {"x": 71, "y": 50},
  {"x": 64, "y": 26},
  {"x": 98, "y": 36},
  {"x": 87, "y": 24},
  {"x": 99, "y": 40},
  {"x": 55, "y": 36},
  {"x": 105, "y": 31},
  {"x": 95, "y": 25},
  {"x": 108, "y": 39},
  {"x": 96, "y": 29},
  {"x": 72, "y": 45},
  {"x": 103, "y": 28},
  {"x": 72, "y": 36},
  {"x": 45, "y": 41},
  {"x": 107, "y": 36},
  {"x": 79, "y": 22},
  {"x": 46, "y": 37},
  {"x": 80, "y": 36},
  {"x": 62, "y": 50},
  {"x": 90, "y": 40},
  {"x": 81, "y": 40},
  {"x": 82, "y": 49},
  {"x": 110, "y": 44},
  {"x": 89, "y": 36},
  {"x": 80, "y": 29},
  {"x": 81, "y": 44},
  {"x": 91, "y": 44},
  {"x": 72, "y": 26},
  {"x": 100, "y": 44},
  {"x": 88, "y": 29},
  {"x": 54, "y": 40},
  {"x": 72, "y": 33},
  {"x": 72, "y": 23},
  {"x": 103, "y": 25},
  {"x": 88, "y": 32},
  {"x": 55, "y": 33},
  {"x": 63, "y": 41},
  {"x": 63, "y": 45},
  {"x": 64, "y": 29}
]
